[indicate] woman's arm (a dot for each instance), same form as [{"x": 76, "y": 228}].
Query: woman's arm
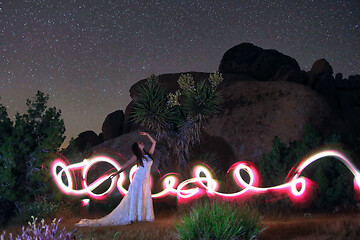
[
  {"x": 152, "y": 148},
  {"x": 129, "y": 163}
]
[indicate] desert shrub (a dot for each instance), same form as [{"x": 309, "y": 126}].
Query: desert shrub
[
  {"x": 27, "y": 147},
  {"x": 219, "y": 220},
  {"x": 177, "y": 117},
  {"x": 333, "y": 179},
  {"x": 278, "y": 163},
  {"x": 40, "y": 208},
  {"x": 42, "y": 231}
]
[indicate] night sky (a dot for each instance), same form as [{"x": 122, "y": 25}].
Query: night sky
[{"x": 87, "y": 54}]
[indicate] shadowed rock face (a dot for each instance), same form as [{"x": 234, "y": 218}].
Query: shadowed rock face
[
  {"x": 254, "y": 61},
  {"x": 113, "y": 125},
  {"x": 255, "y": 112},
  {"x": 84, "y": 140}
]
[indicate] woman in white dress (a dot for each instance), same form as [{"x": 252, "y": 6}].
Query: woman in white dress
[{"x": 137, "y": 204}]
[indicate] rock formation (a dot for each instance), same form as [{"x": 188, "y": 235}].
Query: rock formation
[
  {"x": 266, "y": 95},
  {"x": 113, "y": 125},
  {"x": 254, "y": 61},
  {"x": 84, "y": 140}
]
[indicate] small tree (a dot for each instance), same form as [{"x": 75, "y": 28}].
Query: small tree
[
  {"x": 26, "y": 147},
  {"x": 332, "y": 177},
  {"x": 178, "y": 117}
]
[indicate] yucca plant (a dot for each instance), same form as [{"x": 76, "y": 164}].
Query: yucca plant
[
  {"x": 219, "y": 220},
  {"x": 178, "y": 117},
  {"x": 151, "y": 109}
]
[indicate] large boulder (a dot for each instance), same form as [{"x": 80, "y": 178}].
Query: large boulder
[
  {"x": 351, "y": 116},
  {"x": 84, "y": 141},
  {"x": 255, "y": 112},
  {"x": 295, "y": 76},
  {"x": 254, "y": 61},
  {"x": 326, "y": 87},
  {"x": 129, "y": 125},
  {"x": 349, "y": 99},
  {"x": 320, "y": 67},
  {"x": 113, "y": 126},
  {"x": 354, "y": 81}
]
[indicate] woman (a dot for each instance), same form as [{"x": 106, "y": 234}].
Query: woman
[{"x": 137, "y": 204}]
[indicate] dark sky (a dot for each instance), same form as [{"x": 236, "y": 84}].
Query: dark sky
[{"x": 86, "y": 54}]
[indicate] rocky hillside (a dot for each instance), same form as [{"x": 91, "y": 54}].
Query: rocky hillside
[{"x": 266, "y": 95}]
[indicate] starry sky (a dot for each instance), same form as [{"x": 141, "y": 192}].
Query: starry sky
[{"x": 86, "y": 54}]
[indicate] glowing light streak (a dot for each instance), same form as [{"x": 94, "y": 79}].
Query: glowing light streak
[
  {"x": 85, "y": 167},
  {"x": 297, "y": 188},
  {"x": 85, "y": 202}
]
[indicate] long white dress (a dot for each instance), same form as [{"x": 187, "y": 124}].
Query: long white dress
[{"x": 135, "y": 206}]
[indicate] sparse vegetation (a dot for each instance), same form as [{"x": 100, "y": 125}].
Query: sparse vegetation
[{"x": 219, "y": 220}]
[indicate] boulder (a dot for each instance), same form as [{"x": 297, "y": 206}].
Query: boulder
[
  {"x": 351, "y": 116},
  {"x": 312, "y": 80},
  {"x": 129, "y": 125},
  {"x": 255, "y": 112},
  {"x": 354, "y": 81},
  {"x": 342, "y": 84},
  {"x": 254, "y": 61},
  {"x": 348, "y": 99},
  {"x": 101, "y": 136},
  {"x": 295, "y": 76},
  {"x": 320, "y": 67},
  {"x": 338, "y": 77},
  {"x": 283, "y": 71},
  {"x": 85, "y": 140},
  {"x": 113, "y": 126},
  {"x": 326, "y": 87}
]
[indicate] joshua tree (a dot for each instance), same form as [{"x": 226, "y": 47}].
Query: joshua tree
[{"x": 178, "y": 117}]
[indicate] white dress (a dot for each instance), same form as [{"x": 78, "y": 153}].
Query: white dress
[{"x": 135, "y": 206}]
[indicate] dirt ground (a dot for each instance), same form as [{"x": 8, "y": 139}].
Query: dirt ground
[{"x": 297, "y": 227}]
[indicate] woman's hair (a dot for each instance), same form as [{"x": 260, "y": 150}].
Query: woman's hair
[{"x": 137, "y": 152}]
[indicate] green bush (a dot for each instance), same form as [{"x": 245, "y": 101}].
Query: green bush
[
  {"x": 334, "y": 180},
  {"x": 42, "y": 209},
  {"x": 219, "y": 220},
  {"x": 27, "y": 147}
]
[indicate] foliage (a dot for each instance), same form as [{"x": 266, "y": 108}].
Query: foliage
[
  {"x": 332, "y": 177},
  {"x": 40, "y": 208},
  {"x": 178, "y": 117},
  {"x": 42, "y": 231},
  {"x": 219, "y": 220},
  {"x": 26, "y": 148}
]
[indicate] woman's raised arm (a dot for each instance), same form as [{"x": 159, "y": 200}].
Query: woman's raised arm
[{"x": 152, "y": 148}]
